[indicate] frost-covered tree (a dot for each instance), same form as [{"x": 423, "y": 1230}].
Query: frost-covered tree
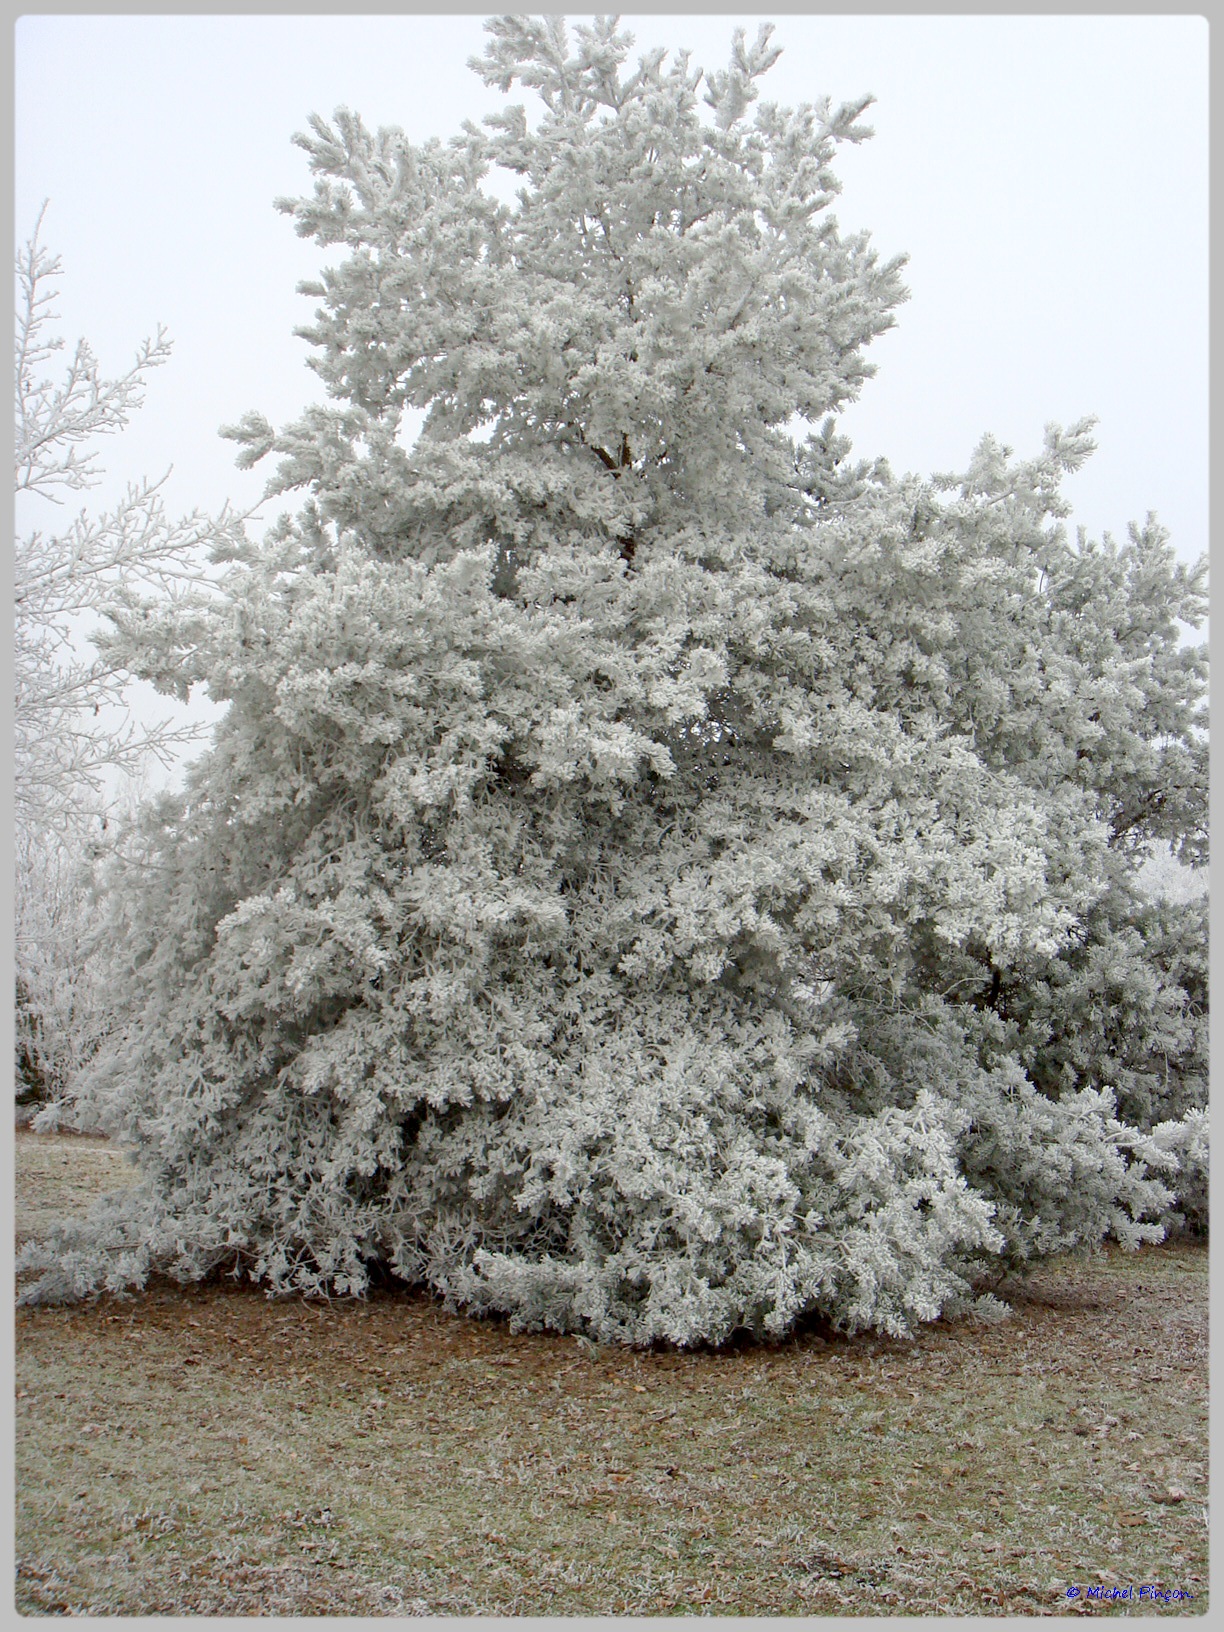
[
  {"x": 648, "y": 876},
  {"x": 63, "y": 987},
  {"x": 77, "y": 748},
  {"x": 60, "y": 1014},
  {"x": 73, "y": 731}
]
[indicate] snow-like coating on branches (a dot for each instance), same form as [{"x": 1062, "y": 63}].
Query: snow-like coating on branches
[{"x": 651, "y": 874}]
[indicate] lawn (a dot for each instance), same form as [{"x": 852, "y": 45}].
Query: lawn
[{"x": 208, "y": 1451}]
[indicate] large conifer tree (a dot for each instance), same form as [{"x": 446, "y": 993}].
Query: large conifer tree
[{"x": 653, "y": 874}]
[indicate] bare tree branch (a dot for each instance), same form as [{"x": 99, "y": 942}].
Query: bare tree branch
[{"x": 67, "y": 740}]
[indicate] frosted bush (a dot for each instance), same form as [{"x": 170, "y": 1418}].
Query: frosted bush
[{"x": 1188, "y": 1140}]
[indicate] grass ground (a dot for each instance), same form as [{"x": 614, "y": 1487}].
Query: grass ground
[{"x": 206, "y": 1451}]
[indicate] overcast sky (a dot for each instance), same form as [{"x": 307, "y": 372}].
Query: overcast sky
[{"x": 1046, "y": 176}]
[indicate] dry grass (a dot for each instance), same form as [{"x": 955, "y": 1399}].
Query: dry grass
[
  {"x": 210, "y": 1452},
  {"x": 60, "y": 1175}
]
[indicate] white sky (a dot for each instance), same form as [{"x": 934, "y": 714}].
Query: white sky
[{"x": 1046, "y": 175}]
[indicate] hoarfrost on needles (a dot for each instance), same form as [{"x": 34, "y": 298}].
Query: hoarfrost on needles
[{"x": 655, "y": 877}]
